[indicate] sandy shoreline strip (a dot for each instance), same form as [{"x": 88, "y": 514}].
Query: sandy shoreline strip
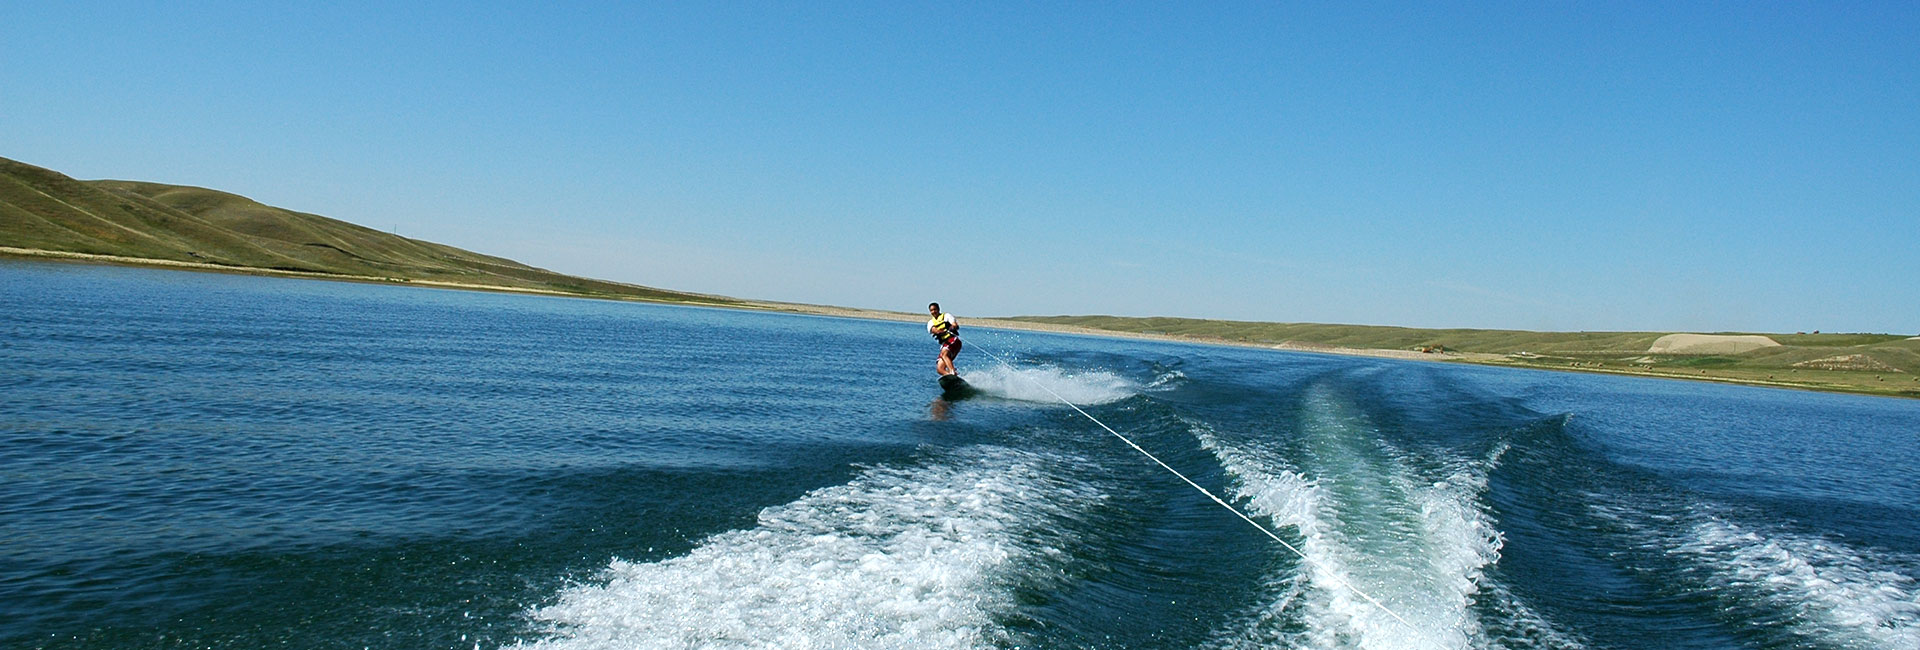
[
  {"x": 118, "y": 260},
  {"x": 753, "y": 305},
  {"x": 1476, "y": 358}
]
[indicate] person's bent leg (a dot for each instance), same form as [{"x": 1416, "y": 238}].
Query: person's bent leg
[{"x": 947, "y": 354}]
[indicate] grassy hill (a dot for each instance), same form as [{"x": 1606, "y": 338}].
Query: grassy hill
[
  {"x": 44, "y": 210},
  {"x": 1884, "y": 364}
]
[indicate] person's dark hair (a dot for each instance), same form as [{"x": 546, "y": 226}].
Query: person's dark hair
[{"x": 934, "y": 305}]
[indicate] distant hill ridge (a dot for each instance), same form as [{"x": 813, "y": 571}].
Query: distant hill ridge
[{"x": 44, "y": 210}]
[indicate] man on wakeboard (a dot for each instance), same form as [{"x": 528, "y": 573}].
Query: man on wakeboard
[{"x": 947, "y": 332}]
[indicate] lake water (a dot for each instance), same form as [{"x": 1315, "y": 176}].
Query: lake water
[{"x": 210, "y": 461}]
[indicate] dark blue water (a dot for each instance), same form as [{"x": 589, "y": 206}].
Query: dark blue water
[{"x": 210, "y": 461}]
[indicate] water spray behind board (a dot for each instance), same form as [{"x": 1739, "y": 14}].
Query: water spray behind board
[{"x": 1210, "y": 495}]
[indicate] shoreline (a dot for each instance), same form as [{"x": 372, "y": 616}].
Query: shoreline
[
  {"x": 35, "y": 254},
  {"x": 1473, "y": 358},
  {"x": 1486, "y": 359}
]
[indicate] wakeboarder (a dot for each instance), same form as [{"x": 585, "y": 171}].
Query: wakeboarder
[{"x": 945, "y": 330}]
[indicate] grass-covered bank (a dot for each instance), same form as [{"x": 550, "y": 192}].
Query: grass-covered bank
[{"x": 1875, "y": 364}]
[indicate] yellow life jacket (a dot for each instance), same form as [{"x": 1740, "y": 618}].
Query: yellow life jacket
[{"x": 943, "y": 330}]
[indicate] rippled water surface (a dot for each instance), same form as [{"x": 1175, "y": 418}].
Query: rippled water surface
[{"x": 210, "y": 461}]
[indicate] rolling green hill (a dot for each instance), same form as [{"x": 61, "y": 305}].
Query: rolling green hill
[{"x": 43, "y": 210}]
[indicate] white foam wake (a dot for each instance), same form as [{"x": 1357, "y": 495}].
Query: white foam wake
[
  {"x": 1418, "y": 547},
  {"x": 1829, "y": 592},
  {"x": 1041, "y": 384},
  {"x": 899, "y": 558},
  {"x": 1167, "y": 380}
]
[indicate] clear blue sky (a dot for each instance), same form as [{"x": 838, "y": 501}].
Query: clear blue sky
[{"x": 1537, "y": 165}]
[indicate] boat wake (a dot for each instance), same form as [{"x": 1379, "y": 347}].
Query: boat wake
[
  {"x": 1782, "y": 586},
  {"x": 1366, "y": 520},
  {"x": 921, "y": 557}
]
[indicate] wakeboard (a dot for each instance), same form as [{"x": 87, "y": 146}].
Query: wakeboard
[{"x": 953, "y": 387}]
